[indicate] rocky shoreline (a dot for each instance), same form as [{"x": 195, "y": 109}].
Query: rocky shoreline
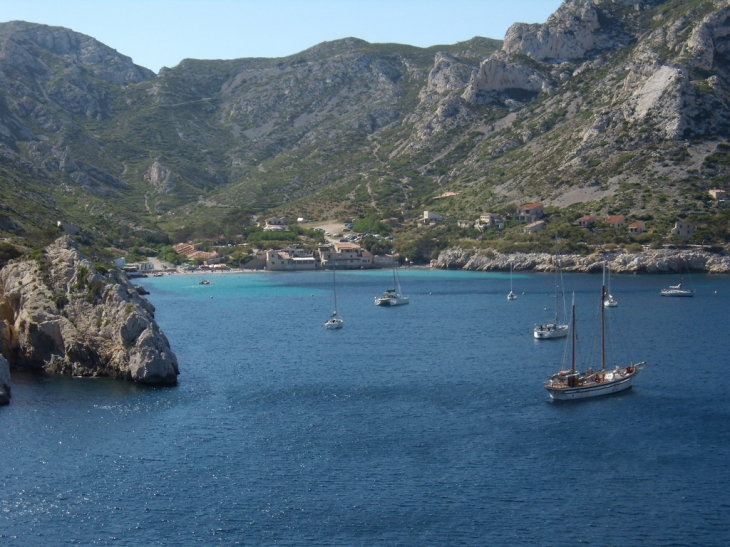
[
  {"x": 647, "y": 262},
  {"x": 58, "y": 314}
]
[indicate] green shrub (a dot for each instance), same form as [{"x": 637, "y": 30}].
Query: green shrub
[
  {"x": 81, "y": 275},
  {"x": 60, "y": 299}
]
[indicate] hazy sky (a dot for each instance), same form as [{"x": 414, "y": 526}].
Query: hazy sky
[{"x": 157, "y": 33}]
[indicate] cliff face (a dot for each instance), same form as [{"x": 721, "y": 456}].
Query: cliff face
[
  {"x": 652, "y": 262},
  {"x": 58, "y": 314}
]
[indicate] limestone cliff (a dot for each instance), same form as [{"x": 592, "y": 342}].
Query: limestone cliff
[
  {"x": 59, "y": 314},
  {"x": 650, "y": 261}
]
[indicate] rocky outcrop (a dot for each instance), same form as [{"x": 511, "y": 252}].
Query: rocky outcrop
[
  {"x": 570, "y": 34},
  {"x": 160, "y": 177},
  {"x": 448, "y": 74},
  {"x": 500, "y": 72},
  {"x": 710, "y": 40},
  {"x": 650, "y": 261},
  {"x": 59, "y": 314}
]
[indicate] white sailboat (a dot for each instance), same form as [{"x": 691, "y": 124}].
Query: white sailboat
[
  {"x": 678, "y": 290},
  {"x": 335, "y": 321},
  {"x": 392, "y": 297},
  {"x": 511, "y": 295},
  {"x": 556, "y": 328},
  {"x": 610, "y": 301},
  {"x": 572, "y": 384}
]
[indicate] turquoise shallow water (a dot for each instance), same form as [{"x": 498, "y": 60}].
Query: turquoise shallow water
[{"x": 418, "y": 425}]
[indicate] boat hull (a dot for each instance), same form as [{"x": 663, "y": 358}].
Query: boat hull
[
  {"x": 397, "y": 301},
  {"x": 677, "y": 292},
  {"x": 548, "y": 332},
  {"x": 621, "y": 381},
  {"x": 333, "y": 324}
]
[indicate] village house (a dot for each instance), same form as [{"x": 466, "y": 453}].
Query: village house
[
  {"x": 346, "y": 256},
  {"x": 719, "y": 195},
  {"x": 586, "y": 221},
  {"x": 384, "y": 261},
  {"x": 530, "y": 212},
  {"x": 615, "y": 221},
  {"x": 277, "y": 221},
  {"x": 488, "y": 220},
  {"x": 682, "y": 228},
  {"x": 137, "y": 267},
  {"x": 276, "y": 224},
  {"x": 290, "y": 260},
  {"x": 430, "y": 216},
  {"x": 195, "y": 252},
  {"x": 533, "y": 227},
  {"x": 638, "y": 227}
]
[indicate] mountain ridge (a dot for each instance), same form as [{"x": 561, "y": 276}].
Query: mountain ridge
[{"x": 607, "y": 107}]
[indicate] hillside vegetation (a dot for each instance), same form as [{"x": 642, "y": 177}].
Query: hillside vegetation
[{"x": 610, "y": 107}]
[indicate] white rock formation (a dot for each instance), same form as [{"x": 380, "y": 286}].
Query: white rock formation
[
  {"x": 498, "y": 73},
  {"x": 708, "y": 38},
  {"x": 447, "y": 74},
  {"x": 57, "y": 313},
  {"x": 657, "y": 89},
  {"x": 160, "y": 177},
  {"x": 652, "y": 261},
  {"x": 568, "y": 34}
]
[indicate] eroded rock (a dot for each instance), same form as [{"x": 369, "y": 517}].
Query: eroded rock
[{"x": 58, "y": 314}]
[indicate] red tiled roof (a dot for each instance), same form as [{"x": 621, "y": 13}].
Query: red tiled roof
[
  {"x": 531, "y": 206},
  {"x": 615, "y": 218}
]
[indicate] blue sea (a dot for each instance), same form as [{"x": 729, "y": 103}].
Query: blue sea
[{"x": 418, "y": 425}]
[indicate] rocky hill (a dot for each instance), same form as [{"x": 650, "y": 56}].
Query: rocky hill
[
  {"x": 616, "y": 106},
  {"x": 59, "y": 314}
]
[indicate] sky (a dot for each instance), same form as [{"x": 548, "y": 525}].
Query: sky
[{"x": 157, "y": 33}]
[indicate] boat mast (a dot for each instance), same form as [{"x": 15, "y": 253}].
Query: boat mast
[
  {"x": 334, "y": 282},
  {"x": 557, "y": 274},
  {"x": 603, "y": 343},
  {"x": 680, "y": 270},
  {"x": 572, "y": 328}
]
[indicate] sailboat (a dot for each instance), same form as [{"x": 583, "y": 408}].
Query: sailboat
[
  {"x": 556, "y": 329},
  {"x": 511, "y": 295},
  {"x": 572, "y": 384},
  {"x": 610, "y": 301},
  {"x": 678, "y": 290},
  {"x": 392, "y": 297},
  {"x": 335, "y": 321}
]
